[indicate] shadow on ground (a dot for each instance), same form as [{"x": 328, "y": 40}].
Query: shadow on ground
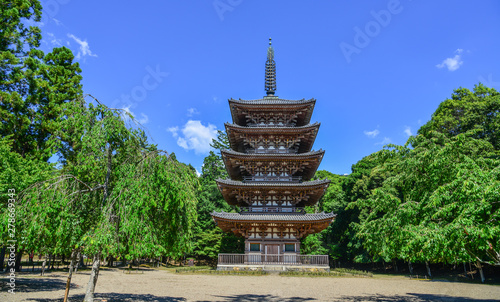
[
  {"x": 411, "y": 298},
  {"x": 29, "y": 285},
  {"x": 257, "y": 298},
  {"x": 114, "y": 297}
]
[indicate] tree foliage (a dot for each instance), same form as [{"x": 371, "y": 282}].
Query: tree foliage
[
  {"x": 115, "y": 195},
  {"x": 209, "y": 239},
  {"x": 33, "y": 86},
  {"x": 441, "y": 204},
  {"x": 437, "y": 197},
  {"x": 476, "y": 112}
]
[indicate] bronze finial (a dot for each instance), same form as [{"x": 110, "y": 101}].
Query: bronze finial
[{"x": 270, "y": 84}]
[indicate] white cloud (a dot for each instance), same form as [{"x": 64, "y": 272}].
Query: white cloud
[
  {"x": 125, "y": 115},
  {"x": 174, "y": 131},
  {"x": 31, "y": 22},
  {"x": 198, "y": 172},
  {"x": 385, "y": 141},
  {"x": 144, "y": 119},
  {"x": 84, "y": 47},
  {"x": 452, "y": 63},
  {"x": 372, "y": 134},
  {"x": 58, "y": 22},
  {"x": 53, "y": 40},
  {"x": 408, "y": 131},
  {"x": 192, "y": 111},
  {"x": 195, "y": 136}
]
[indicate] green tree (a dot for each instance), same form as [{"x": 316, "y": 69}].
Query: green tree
[
  {"x": 117, "y": 196},
  {"x": 209, "y": 239},
  {"x": 33, "y": 86},
  {"x": 16, "y": 174},
  {"x": 440, "y": 204},
  {"x": 17, "y": 41},
  {"x": 476, "y": 112}
]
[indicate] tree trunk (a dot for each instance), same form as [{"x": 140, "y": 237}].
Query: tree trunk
[
  {"x": 53, "y": 260},
  {"x": 465, "y": 270},
  {"x": 43, "y": 265},
  {"x": 19, "y": 255},
  {"x": 470, "y": 270},
  {"x": 110, "y": 261},
  {"x": 428, "y": 269},
  {"x": 480, "y": 267},
  {"x": 78, "y": 260},
  {"x": 70, "y": 273},
  {"x": 48, "y": 263},
  {"x": 2, "y": 258},
  {"x": 410, "y": 268},
  {"x": 395, "y": 264},
  {"x": 94, "y": 274}
]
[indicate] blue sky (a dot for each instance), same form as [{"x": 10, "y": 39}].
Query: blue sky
[{"x": 378, "y": 69}]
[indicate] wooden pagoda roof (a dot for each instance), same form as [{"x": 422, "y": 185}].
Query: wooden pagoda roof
[
  {"x": 235, "y": 162},
  {"x": 233, "y": 190},
  {"x": 237, "y": 134},
  {"x": 239, "y": 108},
  {"x": 266, "y": 217},
  {"x": 240, "y": 224}
]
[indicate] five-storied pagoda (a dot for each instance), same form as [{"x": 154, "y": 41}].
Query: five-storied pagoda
[{"x": 270, "y": 164}]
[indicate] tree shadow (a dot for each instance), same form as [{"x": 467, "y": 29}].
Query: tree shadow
[
  {"x": 413, "y": 297},
  {"x": 29, "y": 285},
  {"x": 258, "y": 298},
  {"x": 115, "y": 297}
]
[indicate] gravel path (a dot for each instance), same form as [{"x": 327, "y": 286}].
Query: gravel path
[{"x": 162, "y": 286}]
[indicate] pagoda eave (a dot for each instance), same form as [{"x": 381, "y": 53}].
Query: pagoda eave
[
  {"x": 300, "y": 225},
  {"x": 240, "y": 164},
  {"x": 243, "y": 193},
  {"x": 303, "y": 136}
]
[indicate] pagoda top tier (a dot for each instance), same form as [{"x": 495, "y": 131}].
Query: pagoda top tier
[{"x": 280, "y": 111}]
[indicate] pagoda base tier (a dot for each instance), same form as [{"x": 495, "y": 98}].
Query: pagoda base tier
[{"x": 273, "y": 262}]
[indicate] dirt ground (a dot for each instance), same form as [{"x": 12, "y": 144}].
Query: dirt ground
[{"x": 160, "y": 286}]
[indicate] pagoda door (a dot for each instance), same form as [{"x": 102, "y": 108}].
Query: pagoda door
[{"x": 272, "y": 252}]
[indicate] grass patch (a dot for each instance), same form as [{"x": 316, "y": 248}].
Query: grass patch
[
  {"x": 338, "y": 272},
  {"x": 192, "y": 269},
  {"x": 212, "y": 271}
]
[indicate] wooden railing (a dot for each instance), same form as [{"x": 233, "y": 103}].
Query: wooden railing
[
  {"x": 275, "y": 209},
  {"x": 285, "y": 259},
  {"x": 272, "y": 178}
]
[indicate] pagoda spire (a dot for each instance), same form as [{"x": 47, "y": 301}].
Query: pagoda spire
[{"x": 270, "y": 71}]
